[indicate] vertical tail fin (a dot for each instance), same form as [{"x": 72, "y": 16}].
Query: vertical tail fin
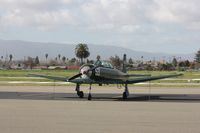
[{"x": 124, "y": 64}]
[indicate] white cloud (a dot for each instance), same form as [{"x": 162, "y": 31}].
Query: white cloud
[
  {"x": 40, "y": 14},
  {"x": 120, "y": 13},
  {"x": 185, "y": 12},
  {"x": 129, "y": 28},
  {"x": 49, "y": 20},
  {"x": 124, "y": 15},
  {"x": 115, "y": 13},
  {"x": 66, "y": 1}
]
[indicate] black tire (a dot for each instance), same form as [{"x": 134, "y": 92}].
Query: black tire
[
  {"x": 89, "y": 97},
  {"x": 81, "y": 94},
  {"x": 124, "y": 95}
]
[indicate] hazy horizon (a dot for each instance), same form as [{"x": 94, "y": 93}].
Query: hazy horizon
[
  {"x": 20, "y": 49},
  {"x": 63, "y": 43}
]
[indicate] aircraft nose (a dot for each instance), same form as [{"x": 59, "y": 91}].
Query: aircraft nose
[{"x": 85, "y": 71}]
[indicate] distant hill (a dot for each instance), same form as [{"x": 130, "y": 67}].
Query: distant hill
[{"x": 20, "y": 49}]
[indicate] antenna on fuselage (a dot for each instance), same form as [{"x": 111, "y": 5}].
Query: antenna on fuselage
[{"x": 124, "y": 64}]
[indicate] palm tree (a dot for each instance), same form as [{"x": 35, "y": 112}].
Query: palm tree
[
  {"x": 59, "y": 56},
  {"x": 46, "y": 56},
  {"x": 82, "y": 51},
  {"x": 10, "y": 56},
  {"x": 37, "y": 61},
  {"x": 63, "y": 59}
]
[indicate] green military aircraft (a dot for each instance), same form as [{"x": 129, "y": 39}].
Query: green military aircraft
[{"x": 104, "y": 73}]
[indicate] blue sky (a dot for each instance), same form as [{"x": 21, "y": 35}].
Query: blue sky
[{"x": 169, "y": 26}]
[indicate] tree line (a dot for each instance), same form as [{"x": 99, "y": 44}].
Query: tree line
[{"x": 82, "y": 53}]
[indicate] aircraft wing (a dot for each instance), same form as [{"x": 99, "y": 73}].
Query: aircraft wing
[
  {"x": 64, "y": 79},
  {"x": 49, "y": 77},
  {"x": 138, "y": 75},
  {"x": 105, "y": 81},
  {"x": 119, "y": 81},
  {"x": 138, "y": 80},
  {"x": 77, "y": 80},
  {"x": 84, "y": 81}
]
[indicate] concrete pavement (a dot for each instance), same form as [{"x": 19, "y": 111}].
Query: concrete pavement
[{"x": 31, "y": 109}]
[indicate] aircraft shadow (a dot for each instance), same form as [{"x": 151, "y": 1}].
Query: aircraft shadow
[{"x": 101, "y": 97}]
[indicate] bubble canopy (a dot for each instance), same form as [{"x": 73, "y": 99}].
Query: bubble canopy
[{"x": 105, "y": 64}]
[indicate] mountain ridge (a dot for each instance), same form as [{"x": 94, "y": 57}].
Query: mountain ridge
[{"x": 20, "y": 49}]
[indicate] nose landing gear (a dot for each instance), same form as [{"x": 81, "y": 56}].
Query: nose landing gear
[{"x": 79, "y": 93}]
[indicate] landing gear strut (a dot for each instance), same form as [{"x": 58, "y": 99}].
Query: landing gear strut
[
  {"x": 90, "y": 95},
  {"x": 79, "y": 93},
  {"x": 126, "y": 92}
]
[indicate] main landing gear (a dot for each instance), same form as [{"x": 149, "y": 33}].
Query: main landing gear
[
  {"x": 90, "y": 95},
  {"x": 81, "y": 94},
  {"x": 126, "y": 92}
]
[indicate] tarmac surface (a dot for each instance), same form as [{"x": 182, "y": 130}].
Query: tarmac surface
[{"x": 48, "y": 109}]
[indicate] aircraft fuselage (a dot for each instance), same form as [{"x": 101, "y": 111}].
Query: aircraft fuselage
[{"x": 102, "y": 73}]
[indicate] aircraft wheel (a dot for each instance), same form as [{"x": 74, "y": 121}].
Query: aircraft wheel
[
  {"x": 89, "y": 97},
  {"x": 124, "y": 95},
  {"x": 80, "y": 94}
]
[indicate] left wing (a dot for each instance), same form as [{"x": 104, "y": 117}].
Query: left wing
[
  {"x": 138, "y": 80},
  {"x": 49, "y": 77}
]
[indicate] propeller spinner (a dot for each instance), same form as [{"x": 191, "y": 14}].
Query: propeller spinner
[{"x": 85, "y": 71}]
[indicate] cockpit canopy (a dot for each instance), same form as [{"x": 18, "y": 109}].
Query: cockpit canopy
[{"x": 105, "y": 64}]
